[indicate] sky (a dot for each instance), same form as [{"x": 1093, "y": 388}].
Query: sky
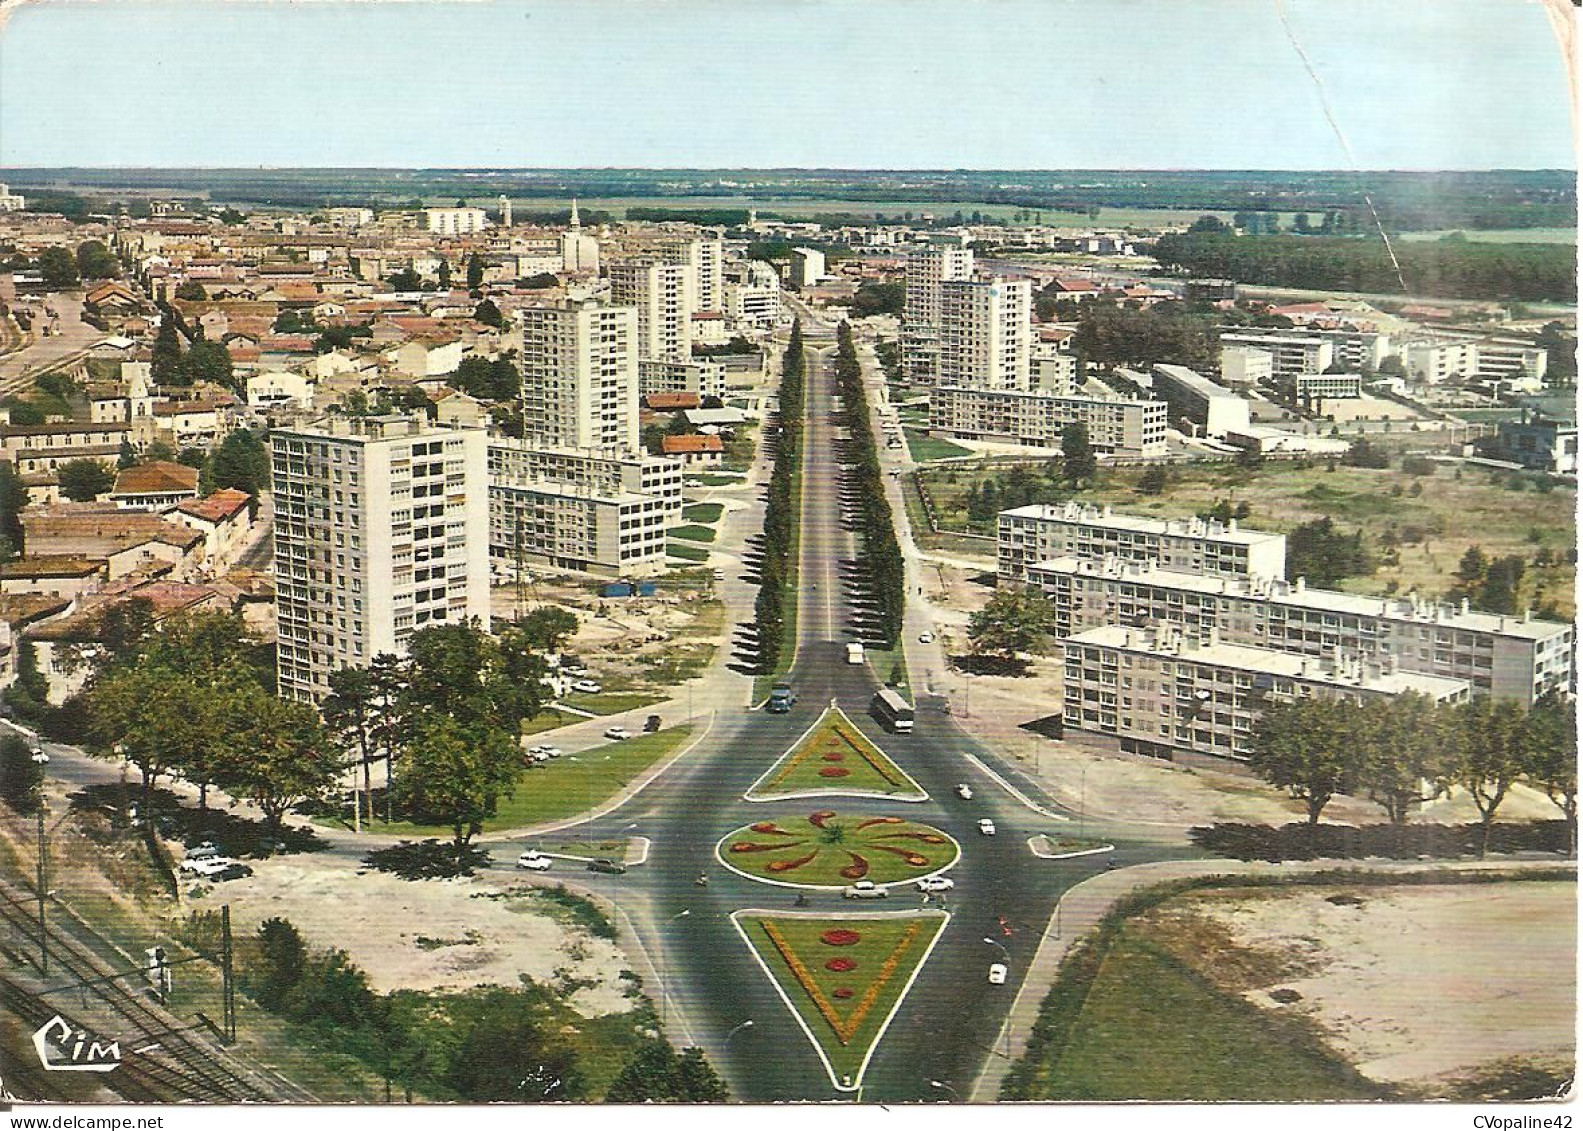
[{"x": 1148, "y": 84}]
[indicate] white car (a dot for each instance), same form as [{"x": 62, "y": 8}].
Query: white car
[
  {"x": 964, "y": 791},
  {"x": 936, "y": 884},
  {"x": 551, "y": 751},
  {"x": 618, "y": 734},
  {"x": 537, "y": 750},
  {"x": 207, "y": 867},
  {"x": 864, "y": 889},
  {"x": 986, "y": 827},
  {"x": 587, "y": 687},
  {"x": 997, "y": 974},
  {"x": 533, "y": 860},
  {"x": 926, "y": 638}
]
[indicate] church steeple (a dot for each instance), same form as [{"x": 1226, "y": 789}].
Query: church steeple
[{"x": 576, "y": 221}]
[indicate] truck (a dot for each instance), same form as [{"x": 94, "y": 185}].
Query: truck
[
  {"x": 781, "y": 698},
  {"x": 854, "y": 653}
]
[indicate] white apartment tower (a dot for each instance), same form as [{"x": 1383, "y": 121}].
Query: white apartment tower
[
  {"x": 666, "y": 296},
  {"x": 706, "y": 256},
  {"x": 455, "y": 221},
  {"x": 985, "y": 333},
  {"x": 927, "y": 271},
  {"x": 381, "y": 529},
  {"x": 580, "y": 374}
]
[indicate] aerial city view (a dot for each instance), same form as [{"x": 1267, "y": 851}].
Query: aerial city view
[{"x": 649, "y": 580}]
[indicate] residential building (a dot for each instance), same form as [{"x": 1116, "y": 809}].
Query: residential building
[
  {"x": 694, "y": 451},
  {"x": 580, "y": 374},
  {"x": 602, "y": 512},
  {"x": 1032, "y": 534},
  {"x": 1198, "y": 404},
  {"x": 665, "y": 295},
  {"x": 10, "y": 201},
  {"x": 381, "y": 529},
  {"x": 1164, "y": 691},
  {"x": 1291, "y": 351},
  {"x": 455, "y": 221},
  {"x": 1120, "y": 425},
  {"x": 807, "y": 267},
  {"x": 1510, "y": 657},
  {"x": 1356, "y": 349},
  {"x": 1053, "y": 371},
  {"x": 927, "y": 271},
  {"x": 1327, "y": 386},
  {"x": 664, "y": 375},
  {"x": 1538, "y": 441},
  {"x": 706, "y": 256},
  {"x": 985, "y": 333},
  {"x": 154, "y": 486},
  {"x": 224, "y": 518},
  {"x": 1245, "y": 367},
  {"x": 1429, "y": 361}
]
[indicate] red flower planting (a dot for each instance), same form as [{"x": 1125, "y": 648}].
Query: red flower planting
[
  {"x": 788, "y": 865},
  {"x": 835, "y": 756},
  {"x": 879, "y": 821},
  {"x": 843, "y": 993},
  {"x": 749, "y": 846},
  {"x": 855, "y": 870},
  {"x": 840, "y": 936},
  {"x": 834, "y": 772},
  {"x": 906, "y": 854},
  {"x": 841, "y": 965},
  {"x": 922, "y": 838},
  {"x": 818, "y": 819},
  {"x": 769, "y": 827}
]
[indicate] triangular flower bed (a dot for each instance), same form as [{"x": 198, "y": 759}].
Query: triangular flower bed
[
  {"x": 834, "y": 759},
  {"x": 843, "y": 977}
]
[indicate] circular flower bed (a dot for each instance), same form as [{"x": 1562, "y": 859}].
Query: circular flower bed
[
  {"x": 840, "y": 936},
  {"x": 830, "y": 849},
  {"x": 841, "y": 965}
]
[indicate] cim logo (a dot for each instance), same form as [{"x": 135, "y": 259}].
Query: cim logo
[{"x": 62, "y": 1049}]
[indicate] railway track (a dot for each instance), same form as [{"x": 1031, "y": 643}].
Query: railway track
[{"x": 163, "y": 1060}]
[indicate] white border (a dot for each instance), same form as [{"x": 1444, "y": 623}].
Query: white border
[
  {"x": 922, "y": 794},
  {"x": 1013, "y": 790},
  {"x": 857, "y": 1079},
  {"x": 1066, "y": 855}
]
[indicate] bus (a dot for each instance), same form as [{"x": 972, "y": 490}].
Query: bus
[{"x": 892, "y": 710}]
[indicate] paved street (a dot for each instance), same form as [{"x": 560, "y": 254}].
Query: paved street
[{"x": 21, "y": 366}]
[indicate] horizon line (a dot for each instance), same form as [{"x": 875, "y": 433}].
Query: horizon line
[{"x": 205, "y": 168}]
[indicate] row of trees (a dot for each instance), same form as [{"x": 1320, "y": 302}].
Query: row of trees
[
  {"x": 780, "y": 509},
  {"x": 881, "y": 552},
  {"x": 1442, "y": 268},
  {"x": 1405, "y": 751}
]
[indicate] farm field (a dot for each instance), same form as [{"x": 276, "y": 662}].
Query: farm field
[{"x": 1434, "y": 518}]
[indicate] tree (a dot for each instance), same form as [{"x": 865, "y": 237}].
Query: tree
[
  {"x": 58, "y": 268},
  {"x": 94, "y": 261},
  {"x": 13, "y": 497},
  {"x": 1307, "y": 747},
  {"x": 282, "y": 959},
  {"x": 489, "y": 314},
  {"x": 127, "y": 718},
  {"x": 1078, "y": 461},
  {"x": 126, "y": 457},
  {"x": 1472, "y": 567},
  {"x": 1408, "y": 758},
  {"x": 1324, "y": 555},
  {"x": 241, "y": 461},
  {"x": 445, "y": 274},
  {"x": 511, "y": 1055},
  {"x": 349, "y": 716},
  {"x": 1492, "y": 751},
  {"x": 656, "y": 1074},
  {"x": 405, "y": 280},
  {"x": 21, "y": 778},
  {"x": 1209, "y": 225},
  {"x": 165, "y": 364},
  {"x": 475, "y": 272},
  {"x": 124, "y": 629},
  {"x": 191, "y": 291},
  {"x": 455, "y": 776},
  {"x": 1013, "y": 622},
  {"x": 208, "y": 362},
  {"x": 279, "y": 755},
  {"x": 1154, "y": 480},
  {"x": 83, "y": 480},
  {"x": 1551, "y": 742},
  {"x": 548, "y": 627}
]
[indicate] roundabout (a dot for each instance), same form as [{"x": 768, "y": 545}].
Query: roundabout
[{"x": 828, "y": 850}]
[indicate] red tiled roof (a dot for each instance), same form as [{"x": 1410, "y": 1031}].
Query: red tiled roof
[
  {"x": 217, "y": 507},
  {"x": 669, "y": 402},
  {"x": 686, "y": 445},
  {"x": 155, "y": 478}
]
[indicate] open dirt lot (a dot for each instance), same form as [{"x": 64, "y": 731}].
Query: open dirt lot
[
  {"x": 1415, "y": 985},
  {"x": 434, "y": 934}
]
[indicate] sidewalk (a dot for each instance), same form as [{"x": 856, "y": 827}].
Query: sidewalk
[{"x": 1084, "y": 905}]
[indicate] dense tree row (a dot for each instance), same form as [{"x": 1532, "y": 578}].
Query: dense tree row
[
  {"x": 877, "y": 525},
  {"x": 1406, "y": 751},
  {"x": 1167, "y": 333},
  {"x": 1447, "y": 268},
  {"x": 780, "y": 510}
]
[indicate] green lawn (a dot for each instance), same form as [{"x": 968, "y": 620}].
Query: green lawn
[
  {"x": 832, "y": 745},
  {"x": 888, "y": 662},
  {"x": 692, "y": 532},
  {"x": 686, "y": 552},
  {"x": 716, "y": 479},
  {"x": 826, "y": 849},
  {"x": 844, "y": 1010},
  {"x": 611, "y": 702},
  {"x": 923, "y": 447},
  {"x": 1151, "y": 1029},
  {"x": 564, "y": 787},
  {"x": 703, "y": 512},
  {"x": 741, "y": 448}
]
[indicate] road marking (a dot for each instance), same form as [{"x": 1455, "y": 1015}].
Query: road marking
[{"x": 1013, "y": 790}]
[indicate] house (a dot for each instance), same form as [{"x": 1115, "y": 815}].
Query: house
[
  {"x": 197, "y": 423},
  {"x": 223, "y": 518},
  {"x": 112, "y": 297},
  {"x": 694, "y": 451},
  {"x": 456, "y": 409},
  {"x": 279, "y": 387},
  {"x": 127, "y": 541},
  {"x": 53, "y": 575},
  {"x": 670, "y": 402},
  {"x": 155, "y": 485},
  {"x": 427, "y": 357}
]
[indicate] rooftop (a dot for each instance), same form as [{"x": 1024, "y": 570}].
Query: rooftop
[
  {"x": 1183, "y": 527},
  {"x": 158, "y": 477}
]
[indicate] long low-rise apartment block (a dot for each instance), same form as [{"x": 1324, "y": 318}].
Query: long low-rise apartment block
[
  {"x": 1509, "y": 657},
  {"x": 1120, "y": 425},
  {"x": 1162, "y": 691},
  {"x": 595, "y": 511},
  {"x": 1032, "y": 534}
]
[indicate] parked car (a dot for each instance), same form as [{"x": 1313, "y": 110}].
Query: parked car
[
  {"x": 720, "y": 575},
  {"x": 986, "y": 827},
  {"x": 204, "y": 867},
  {"x": 534, "y": 861},
  {"x": 233, "y": 870},
  {"x": 208, "y": 850},
  {"x": 864, "y": 889},
  {"x": 964, "y": 791},
  {"x": 936, "y": 884},
  {"x": 997, "y": 974},
  {"x": 551, "y": 751},
  {"x": 587, "y": 687},
  {"x": 926, "y": 638},
  {"x": 609, "y": 867},
  {"x": 617, "y": 734}
]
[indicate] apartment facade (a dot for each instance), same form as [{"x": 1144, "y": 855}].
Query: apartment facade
[
  {"x": 1032, "y": 534},
  {"x": 807, "y": 267},
  {"x": 1505, "y": 657},
  {"x": 455, "y": 221},
  {"x": 580, "y": 374},
  {"x": 1199, "y": 402},
  {"x": 1328, "y": 386},
  {"x": 1118, "y": 425},
  {"x": 381, "y": 527},
  {"x": 1356, "y": 349},
  {"x": 1290, "y": 352},
  {"x": 665, "y": 296},
  {"x": 927, "y": 270},
  {"x": 1164, "y": 691},
  {"x": 663, "y": 375},
  {"x": 985, "y": 333}
]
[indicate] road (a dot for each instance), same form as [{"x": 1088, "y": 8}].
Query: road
[{"x": 76, "y": 336}]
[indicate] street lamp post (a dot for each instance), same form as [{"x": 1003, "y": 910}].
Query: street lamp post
[
  {"x": 41, "y": 759},
  {"x": 944, "y": 1086},
  {"x": 1082, "y": 803},
  {"x": 665, "y": 991}
]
